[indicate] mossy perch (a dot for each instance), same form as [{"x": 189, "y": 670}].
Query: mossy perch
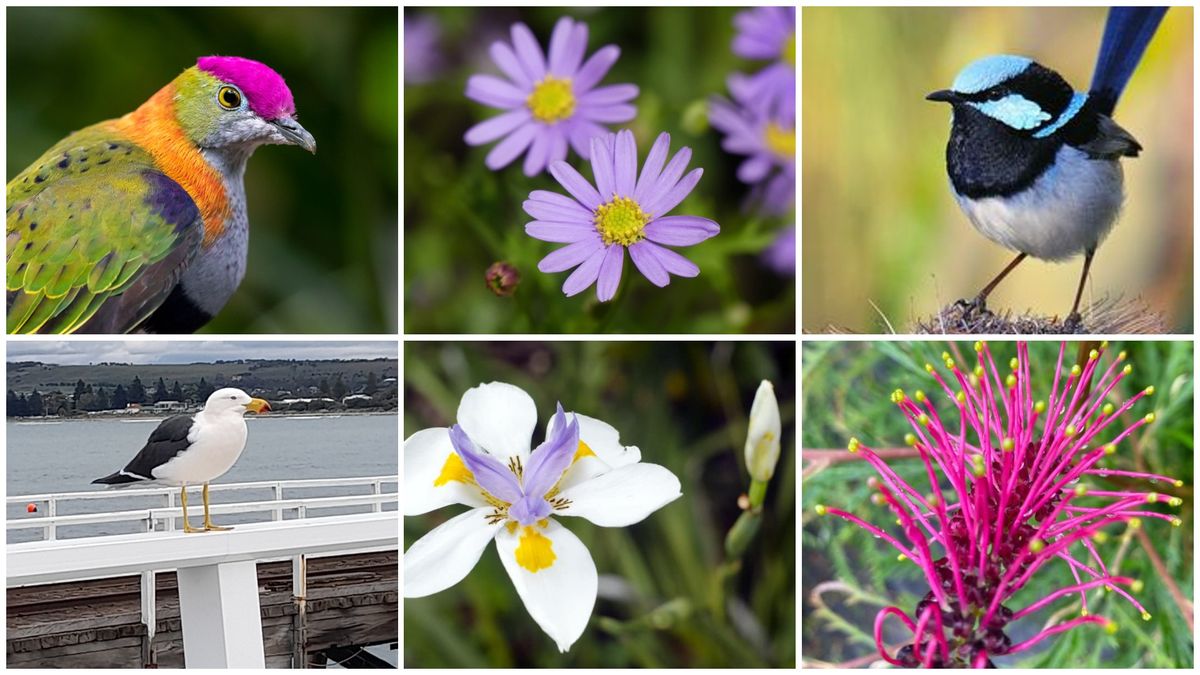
[{"x": 1110, "y": 315}]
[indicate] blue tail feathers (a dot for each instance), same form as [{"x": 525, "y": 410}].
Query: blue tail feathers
[{"x": 1126, "y": 35}]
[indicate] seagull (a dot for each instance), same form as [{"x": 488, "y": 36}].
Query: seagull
[{"x": 189, "y": 449}]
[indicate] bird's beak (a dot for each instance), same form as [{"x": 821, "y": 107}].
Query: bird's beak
[
  {"x": 295, "y": 134},
  {"x": 944, "y": 95},
  {"x": 257, "y": 405}
]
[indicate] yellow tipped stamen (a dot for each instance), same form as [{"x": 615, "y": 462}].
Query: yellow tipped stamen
[
  {"x": 1076, "y": 370},
  {"x": 1121, "y": 356},
  {"x": 961, "y": 397},
  {"x": 945, "y": 356},
  {"x": 1107, "y": 409},
  {"x": 1007, "y": 445},
  {"x": 978, "y": 347},
  {"x": 1176, "y": 522},
  {"x": 923, "y": 420},
  {"x": 1083, "y": 612},
  {"x": 534, "y": 551},
  {"x": 1128, "y": 369},
  {"x": 978, "y": 371},
  {"x": 1099, "y": 537},
  {"x": 1036, "y": 545},
  {"x": 1039, "y": 407},
  {"x": 621, "y": 221},
  {"x": 1093, "y": 355},
  {"x": 910, "y": 440},
  {"x": 1014, "y": 364},
  {"x": 1175, "y": 501},
  {"x": 1110, "y": 449},
  {"x": 1178, "y": 483},
  {"x": 1111, "y": 627},
  {"x": 1151, "y": 497},
  {"x": 1011, "y": 381},
  {"x": 1145, "y": 616},
  {"x": 929, "y": 367},
  {"x": 1137, "y": 586},
  {"x": 552, "y": 100},
  {"x": 950, "y": 364},
  {"x": 878, "y": 499},
  {"x": 1135, "y": 523},
  {"x": 1150, "y": 417},
  {"x": 920, "y": 396},
  {"x": 1070, "y": 431},
  {"x": 978, "y": 470},
  {"x": 1081, "y": 490},
  {"x": 854, "y": 445},
  {"x": 898, "y": 396},
  {"x": 901, "y": 557},
  {"x": 973, "y": 380},
  {"x": 821, "y": 510},
  {"x": 1149, "y": 390},
  {"x": 933, "y": 500}
]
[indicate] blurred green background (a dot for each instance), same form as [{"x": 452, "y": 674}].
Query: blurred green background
[
  {"x": 668, "y": 596},
  {"x": 881, "y": 226},
  {"x": 460, "y": 217},
  {"x": 848, "y": 575},
  {"x": 323, "y": 242}
]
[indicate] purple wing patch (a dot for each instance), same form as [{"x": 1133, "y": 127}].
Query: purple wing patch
[
  {"x": 266, "y": 92},
  {"x": 169, "y": 201}
]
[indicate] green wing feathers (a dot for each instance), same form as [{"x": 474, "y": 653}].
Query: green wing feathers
[{"x": 86, "y": 221}]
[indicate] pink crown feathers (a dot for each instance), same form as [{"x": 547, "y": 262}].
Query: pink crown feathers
[{"x": 266, "y": 92}]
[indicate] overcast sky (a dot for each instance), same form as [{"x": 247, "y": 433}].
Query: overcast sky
[{"x": 191, "y": 351}]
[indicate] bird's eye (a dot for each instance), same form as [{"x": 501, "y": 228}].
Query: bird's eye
[{"x": 229, "y": 98}]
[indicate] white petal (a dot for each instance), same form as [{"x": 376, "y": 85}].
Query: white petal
[
  {"x": 447, "y": 553},
  {"x": 561, "y": 593},
  {"x": 622, "y": 496},
  {"x": 500, "y": 418},
  {"x": 762, "y": 438},
  {"x": 428, "y": 480},
  {"x": 604, "y": 441}
]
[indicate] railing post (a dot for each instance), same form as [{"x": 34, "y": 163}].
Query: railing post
[
  {"x": 277, "y": 514},
  {"x": 149, "y": 616},
  {"x": 376, "y": 489},
  {"x": 52, "y": 531},
  {"x": 300, "y": 627},
  {"x": 222, "y": 622}
]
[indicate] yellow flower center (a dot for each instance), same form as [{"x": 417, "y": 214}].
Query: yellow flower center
[
  {"x": 788, "y": 53},
  {"x": 534, "y": 551},
  {"x": 621, "y": 221},
  {"x": 552, "y": 100},
  {"x": 780, "y": 141}
]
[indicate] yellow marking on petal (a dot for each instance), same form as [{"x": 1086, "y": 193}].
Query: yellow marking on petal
[
  {"x": 780, "y": 141},
  {"x": 454, "y": 469},
  {"x": 512, "y": 526},
  {"x": 534, "y": 551},
  {"x": 583, "y": 451}
]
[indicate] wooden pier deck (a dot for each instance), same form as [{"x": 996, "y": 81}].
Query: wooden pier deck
[{"x": 352, "y": 601}]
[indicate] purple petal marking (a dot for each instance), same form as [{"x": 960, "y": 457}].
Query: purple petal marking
[
  {"x": 580, "y": 189},
  {"x": 609, "y": 95},
  {"x": 672, "y": 261},
  {"x": 510, "y": 148},
  {"x": 681, "y": 230},
  {"x": 653, "y": 167},
  {"x": 495, "y": 127},
  {"x": 529, "y": 509},
  {"x": 557, "y": 213},
  {"x": 535, "y": 159},
  {"x": 609, "y": 114},
  {"x": 581, "y": 132},
  {"x": 625, "y": 163},
  {"x": 602, "y": 168},
  {"x": 667, "y": 179},
  {"x": 610, "y": 273},
  {"x": 663, "y": 202},
  {"x": 585, "y": 275},
  {"x": 595, "y": 68},
  {"x": 490, "y": 474},
  {"x": 506, "y": 59},
  {"x": 560, "y": 201},
  {"x": 529, "y": 53},
  {"x": 550, "y": 459},
  {"x": 493, "y": 91},
  {"x": 559, "y": 233},
  {"x": 648, "y": 265},
  {"x": 569, "y": 256}
]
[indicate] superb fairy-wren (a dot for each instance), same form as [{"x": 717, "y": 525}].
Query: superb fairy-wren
[{"x": 1035, "y": 164}]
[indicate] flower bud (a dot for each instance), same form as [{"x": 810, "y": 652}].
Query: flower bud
[
  {"x": 502, "y": 278},
  {"x": 762, "y": 440}
]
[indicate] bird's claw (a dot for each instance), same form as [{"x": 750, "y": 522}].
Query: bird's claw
[
  {"x": 209, "y": 527},
  {"x": 976, "y": 305},
  {"x": 1074, "y": 322}
]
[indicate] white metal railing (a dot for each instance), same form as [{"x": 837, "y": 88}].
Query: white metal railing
[{"x": 48, "y": 520}]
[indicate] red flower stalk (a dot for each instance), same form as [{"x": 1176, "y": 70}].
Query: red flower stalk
[{"x": 1010, "y": 498}]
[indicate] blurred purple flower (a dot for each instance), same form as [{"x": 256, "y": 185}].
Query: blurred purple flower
[
  {"x": 768, "y": 142},
  {"x": 422, "y": 55},
  {"x": 767, "y": 34},
  {"x": 622, "y": 211},
  {"x": 550, "y": 100},
  {"x": 780, "y": 255}
]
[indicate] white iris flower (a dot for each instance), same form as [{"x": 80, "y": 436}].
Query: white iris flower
[{"x": 484, "y": 462}]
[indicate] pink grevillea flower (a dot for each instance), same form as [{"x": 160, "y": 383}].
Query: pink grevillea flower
[
  {"x": 623, "y": 211},
  {"x": 1013, "y": 495},
  {"x": 550, "y": 99}
]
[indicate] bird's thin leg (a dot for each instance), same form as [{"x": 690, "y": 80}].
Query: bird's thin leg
[
  {"x": 980, "y": 302},
  {"x": 208, "y": 524},
  {"x": 183, "y": 501},
  {"x": 1074, "y": 319}
]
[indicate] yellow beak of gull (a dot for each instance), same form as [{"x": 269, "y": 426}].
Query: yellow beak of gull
[{"x": 257, "y": 405}]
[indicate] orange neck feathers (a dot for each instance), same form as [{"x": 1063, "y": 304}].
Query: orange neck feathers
[{"x": 154, "y": 128}]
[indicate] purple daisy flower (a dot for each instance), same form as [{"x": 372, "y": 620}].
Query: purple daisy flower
[
  {"x": 768, "y": 142},
  {"x": 623, "y": 210},
  {"x": 422, "y": 54},
  {"x": 767, "y": 33},
  {"x": 780, "y": 255},
  {"x": 550, "y": 101}
]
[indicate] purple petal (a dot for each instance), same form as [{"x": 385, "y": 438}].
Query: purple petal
[
  {"x": 584, "y": 275},
  {"x": 508, "y": 149},
  {"x": 555, "y": 199},
  {"x": 602, "y": 168},
  {"x": 529, "y": 53},
  {"x": 550, "y": 459},
  {"x": 610, "y": 273},
  {"x": 535, "y": 160},
  {"x": 558, "y": 144},
  {"x": 609, "y": 114},
  {"x": 610, "y": 95},
  {"x": 755, "y": 169},
  {"x": 681, "y": 230},
  {"x": 581, "y": 132},
  {"x": 559, "y": 233},
  {"x": 529, "y": 509},
  {"x": 506, "y": 59},
  {"x": 595, "y": 68},
  {"x": 580, "y": 189},
  {"x": 493, "y": 91},
  {"x": 664, "y": 202},
  {"x": 672, "y": 261},
  {"x": 490, "y": 474},
  {"x": 560, "y": 38},
  {"x": 648, "y": 265},
  {"x": 495, "y": 127},
  {"x": 569, "y": 256},
  {"x": 667, "y": 179},
  {"x": 653, "y": 166},
  {"x": 625, "y": 163},
  {"x": 566, "y": 61},
  {"x": 554, "y": 212}
]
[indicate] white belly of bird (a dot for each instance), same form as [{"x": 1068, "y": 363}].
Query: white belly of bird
[
  {"x": 215, "y": 448},
  {"x": 1068, "y": 209}
]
